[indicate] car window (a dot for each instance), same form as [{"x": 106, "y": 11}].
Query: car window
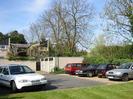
[
  {"x": 16, "y": 70},
  {"x": 1, "y": 69},
  {"x": 102, "y": 66},
  {"x": 110, "y": 67},
  {"x": 78, "y": 65},
  {"x": 27, "y": 69},
  {"x": 20, "y": 70},
  {"x": 92, "y": 66},
  {"x": 125, "y": 66},
  {"x": 86, "y": 65},
  {"x": 5, "y": 71},
  {"x": 68, "y": 65}
]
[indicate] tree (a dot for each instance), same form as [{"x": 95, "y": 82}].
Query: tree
[
  {"x": 1, "y": 36},
  {"x": 16, "y": 37},
  {"x": 67, "y": 24},
  {"x": 119, "y": 14}
]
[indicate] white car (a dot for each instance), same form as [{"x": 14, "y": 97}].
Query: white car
[{"x": 19, "y": 76}]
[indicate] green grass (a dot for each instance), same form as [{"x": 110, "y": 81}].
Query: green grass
[{"x": 118, "y": 91}]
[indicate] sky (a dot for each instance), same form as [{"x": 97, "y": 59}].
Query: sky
[{"x": 19, "y": 14}]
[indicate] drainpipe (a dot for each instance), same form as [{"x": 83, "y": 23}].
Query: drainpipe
[{"x": 9, "y": 43}]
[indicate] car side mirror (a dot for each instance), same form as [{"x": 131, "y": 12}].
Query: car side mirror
[
  {"x": 1, "y": 74},
  {"x": 132, "y": 67}
]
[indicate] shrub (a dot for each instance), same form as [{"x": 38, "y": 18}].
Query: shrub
[
  {"x": 95, "y": 60},
  {"x": 58, "y": 70},
  {"x": 22, "y": 58},
  {"x": 120, "y": 61},
  {"x": 101, "y": 60}
]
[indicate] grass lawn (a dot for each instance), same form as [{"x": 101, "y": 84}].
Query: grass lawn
[{"x": 118, "y": 91}]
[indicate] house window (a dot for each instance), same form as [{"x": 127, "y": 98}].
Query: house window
[
  {"x": 46, "y": 59},
  {"x": 50, "y": 59}
]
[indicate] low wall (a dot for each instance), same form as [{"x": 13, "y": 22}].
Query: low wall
[
  {"x": 47, "y": 65},
  {"x": 31, "y": 64}
]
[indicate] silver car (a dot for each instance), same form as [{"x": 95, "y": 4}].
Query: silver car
[{"x": 123, "y": 72}]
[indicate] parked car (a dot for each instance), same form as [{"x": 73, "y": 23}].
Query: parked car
[
  {"x": 89, "y": 71},
  {"x": 103, "y": 68},
  {"x": 20, "y": 76},
  {"x": 123, "y": 72},
  {"x": 72, "y": 67}
]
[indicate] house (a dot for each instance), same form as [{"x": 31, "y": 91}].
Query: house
[
  {"x": 36, "y": 50},
  {"x": 19, "y": 49}
]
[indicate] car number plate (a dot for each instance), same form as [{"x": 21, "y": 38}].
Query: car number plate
[
  {"x": 35, "y": 82},
  {"x": 110, "y": 77}
]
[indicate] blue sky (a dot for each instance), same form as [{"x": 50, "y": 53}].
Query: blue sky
[{"x": 19, "y": 14}]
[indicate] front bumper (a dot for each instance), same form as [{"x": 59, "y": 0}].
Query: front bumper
[
  {"x": 115, "y": 77},
  {"x": 30, "y": 84},
  {"x": 101, "y": 75},
  {"x": 80, "y": 73}
]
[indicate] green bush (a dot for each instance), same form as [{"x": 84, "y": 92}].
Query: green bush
[
  {"x": 95, "y": 60},
  {"x": 22, "y": 58},
  {"x": 58, "y": 70},
  {"x": 120, "y": 61},
  {"x": 101, "y": 60}
]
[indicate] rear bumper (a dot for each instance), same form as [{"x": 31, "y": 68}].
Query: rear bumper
[{"x": 70, "y": 72}]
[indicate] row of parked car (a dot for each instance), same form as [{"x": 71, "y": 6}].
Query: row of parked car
[{"x": 111, "y": 71}]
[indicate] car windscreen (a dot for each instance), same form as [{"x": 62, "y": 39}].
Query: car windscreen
[
  {"x": 20, "y": 70},
  {"x": 125, "y": 66},
  {"x": 1, "y": 69},
  {"x": 92, "y": 66},
  {"x": 102, "y": 66}
]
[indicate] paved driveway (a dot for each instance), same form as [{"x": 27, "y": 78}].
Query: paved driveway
[
  {"x": 60, "y": 82},
  {"x": 66, "y": 81}
]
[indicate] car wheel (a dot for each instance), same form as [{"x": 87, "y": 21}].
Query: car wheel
[
  {"x": 99, "y": 76},
  {"x": 125, "y": 77},
  {"x": 110, "y": 79},
  {"x": 13, "y": 86},
  {"x": 89, "y": 74}
]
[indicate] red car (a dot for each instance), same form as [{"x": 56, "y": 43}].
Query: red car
[{"x": 72, "y": 67}]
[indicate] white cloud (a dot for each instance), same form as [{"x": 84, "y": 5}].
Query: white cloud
[{"x": 37, "y": 6}]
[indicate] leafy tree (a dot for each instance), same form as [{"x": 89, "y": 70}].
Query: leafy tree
[
  {"x": 119, "y": 15},
  {"x": 68, "y": 24},
  {"x": 16, "y": 37},
  {"x": 1, "y": 36}
]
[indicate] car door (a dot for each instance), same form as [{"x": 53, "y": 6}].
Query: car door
[
  {"x": 1, "y": 81},
  {"x": 5, "y": 77},
  {"x": 132, "y": 71}
]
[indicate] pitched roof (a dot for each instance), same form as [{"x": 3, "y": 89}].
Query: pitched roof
[{"x": 21, "y": 45}]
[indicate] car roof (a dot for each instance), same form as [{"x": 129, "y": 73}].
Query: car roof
[{"x": 7, "y": 65}]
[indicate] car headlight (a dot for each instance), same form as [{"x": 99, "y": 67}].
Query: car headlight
[
  {"x": 43, "y": 78},
  {"x": 81, "y": 71},
  {"x": 106, "y": 73},
  {"x": 23, "y": 81},
  {"x": 118, "y": 73}
]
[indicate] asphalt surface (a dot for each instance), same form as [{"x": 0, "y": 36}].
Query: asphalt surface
[{"x": 57, "y": 82}]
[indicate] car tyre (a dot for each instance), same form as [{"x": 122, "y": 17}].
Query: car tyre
[
  {"x": 125, "y": 77},
  {"x": 13, "y": 86},
  {"x": 89, "y": 74},
  {"x": 110, "y": 79}
]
